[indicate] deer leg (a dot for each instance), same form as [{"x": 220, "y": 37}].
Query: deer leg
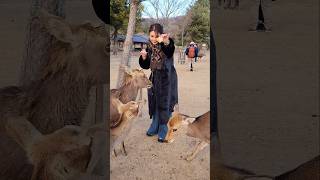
[
  {"x": 197, "y": 149},
  {"x": 140, "y": 98},
  {"x": 115, "y": 153},
  {"x": 124, "y": 149}
]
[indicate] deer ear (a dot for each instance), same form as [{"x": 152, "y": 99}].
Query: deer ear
[
  {"x": 128, "y": 71},
  {"x": 57, "y": 27}
]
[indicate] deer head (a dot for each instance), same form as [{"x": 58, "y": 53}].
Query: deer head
[
  {"x": 62, "y": 154},
  {"x": 81, "y": 50},
  {"x": 137, "y": 78}
]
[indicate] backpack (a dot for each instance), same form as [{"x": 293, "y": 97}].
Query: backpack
[{"x": 191, "y": 52}]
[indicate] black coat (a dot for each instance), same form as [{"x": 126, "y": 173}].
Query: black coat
[{"x": 164, "y": 92}]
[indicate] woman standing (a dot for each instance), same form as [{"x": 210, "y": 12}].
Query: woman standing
[{"x": 163, "y": 95}]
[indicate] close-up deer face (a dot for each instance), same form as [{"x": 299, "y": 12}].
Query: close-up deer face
[
  {"x": 140, "y": 79},
  {"x": 82, "y": 50}
]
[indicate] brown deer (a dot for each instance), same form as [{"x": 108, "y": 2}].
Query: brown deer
[
  {"x": 78, "y": 61},
  {"x": 128, "y": 91},
  {"x": 120, "y": 127},
  {"x": 63, "y": 154},
  {"x": 200, "y": 128},
  {"x": 133, "y": 82},
  {"x": 174, "y": 123}
]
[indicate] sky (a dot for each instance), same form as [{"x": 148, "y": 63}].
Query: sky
[{"x": 148, "y": 6}]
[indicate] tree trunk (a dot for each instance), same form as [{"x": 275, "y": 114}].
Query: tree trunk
[
  {"x": 38, "y": 41},
  {"x": 182, "y": 33},
  {"x": 128, "y": 42},
  {"x": 115, "y": 44}
]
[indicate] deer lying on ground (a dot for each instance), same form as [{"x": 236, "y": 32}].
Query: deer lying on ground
[{"x": 77, "y": 62}]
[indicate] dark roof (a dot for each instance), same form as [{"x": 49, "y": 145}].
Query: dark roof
[
  {"x": 140, "y": 38},
  {"x": 135, "y": 39},
  {"x": 119, "y": 37}
]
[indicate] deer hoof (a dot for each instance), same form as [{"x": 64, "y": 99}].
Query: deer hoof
[
  {"x": 188, "y": 158},
  {"x": 124, "y": 149},
  {"x": 114, "y": 153}
]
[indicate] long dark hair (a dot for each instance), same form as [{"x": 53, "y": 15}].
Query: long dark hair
[{"x": 156, "y": 28}]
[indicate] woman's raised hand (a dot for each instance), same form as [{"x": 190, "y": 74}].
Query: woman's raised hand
[
  {"x": 143, "y": 53},
  {"x": 163, "y": 38}
]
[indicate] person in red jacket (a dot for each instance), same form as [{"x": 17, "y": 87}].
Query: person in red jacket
[{"x": 191, "y": 52}]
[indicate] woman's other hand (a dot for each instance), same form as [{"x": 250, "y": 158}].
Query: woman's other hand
[{"x": 143, "y": 53}]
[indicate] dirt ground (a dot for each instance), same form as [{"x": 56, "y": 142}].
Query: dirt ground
[
  {"x": 268, "y": 90},
  {"x": 148, "y": 159}
]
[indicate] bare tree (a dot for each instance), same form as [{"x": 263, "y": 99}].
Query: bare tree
[
  {"x": 162, "y": 10},
  {"x": 185, "y": 23},
  {"x": 128, "y": 42},
  {"x": 154, "y": 13}
]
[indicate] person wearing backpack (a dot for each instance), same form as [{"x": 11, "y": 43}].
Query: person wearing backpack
[{"x": 191, "y": 53}]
